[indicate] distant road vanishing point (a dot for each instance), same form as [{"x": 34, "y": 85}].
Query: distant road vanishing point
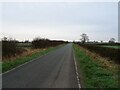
[{"x": 53, "y": 70}]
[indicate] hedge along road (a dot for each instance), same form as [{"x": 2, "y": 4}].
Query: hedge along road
[{"x": 54, "y": 70}]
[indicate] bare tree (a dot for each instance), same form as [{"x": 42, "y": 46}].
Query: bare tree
[
  {"x": 4, "y": 38},
  {"x": 84, "y": 38},
  {"x": 112, "y": 40}
]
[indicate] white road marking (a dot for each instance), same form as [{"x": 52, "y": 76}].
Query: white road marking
[{"x": 79, "y": 86}]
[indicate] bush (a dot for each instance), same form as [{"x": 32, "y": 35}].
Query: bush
[
  {"x": 111, "y": 53},
  {"x": 44, "y": 43},
  {"x": 9, "y": 47}
]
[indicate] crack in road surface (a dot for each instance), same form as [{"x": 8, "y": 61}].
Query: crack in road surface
[{"x": 54, "y": 70}]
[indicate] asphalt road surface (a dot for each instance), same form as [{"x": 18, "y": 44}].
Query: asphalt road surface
[{"x": 54, "y": 70}]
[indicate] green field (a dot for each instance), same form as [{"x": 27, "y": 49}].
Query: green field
[
  {"x": 9, "y": 64},
  {"x": 116, "y": 47},
  {"x": 94, "y": 75},
  {"x": 24, "y": 45}
]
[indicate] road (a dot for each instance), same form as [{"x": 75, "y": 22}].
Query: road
[{"x": 54, "y": 70}]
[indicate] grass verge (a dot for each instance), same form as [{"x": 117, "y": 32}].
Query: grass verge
[
  {"x": 9, "y": 64},
  {"x": 94, "y": 75}
]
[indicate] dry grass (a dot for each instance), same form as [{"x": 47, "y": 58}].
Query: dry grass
[
  {"x": 106, "y": 63},
  {"x": 27, "y": 52}
]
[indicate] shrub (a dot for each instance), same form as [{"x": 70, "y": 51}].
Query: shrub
[
  {"x": 9, "y": 47},
  {"x": 44, "y": 43},
  {"x": 111, "y": 53}
]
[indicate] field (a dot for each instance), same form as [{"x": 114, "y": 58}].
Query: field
[
  {"x": 96, "y": 71},
  {"x": 115, "y": 47},
  {"x": 24, "y": 45}
]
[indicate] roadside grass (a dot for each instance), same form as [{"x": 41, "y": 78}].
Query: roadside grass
[
  {"x": 9, "y": 64},
  {"x": 0, "y": 67},
  {"x": 94, "y": 75}
]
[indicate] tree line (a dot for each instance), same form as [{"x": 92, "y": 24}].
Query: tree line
[
  {"x": 44, "y": 43},
  {"x": 12, "y": 47},
  {"x": 85, "y": 39}
]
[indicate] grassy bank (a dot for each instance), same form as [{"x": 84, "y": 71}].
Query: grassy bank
[
  {"x": 9, "y": 64},
  {"x": 94, "y": 74}
]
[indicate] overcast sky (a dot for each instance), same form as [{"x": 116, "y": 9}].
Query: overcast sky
[{"x": 60, "y": 21}]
